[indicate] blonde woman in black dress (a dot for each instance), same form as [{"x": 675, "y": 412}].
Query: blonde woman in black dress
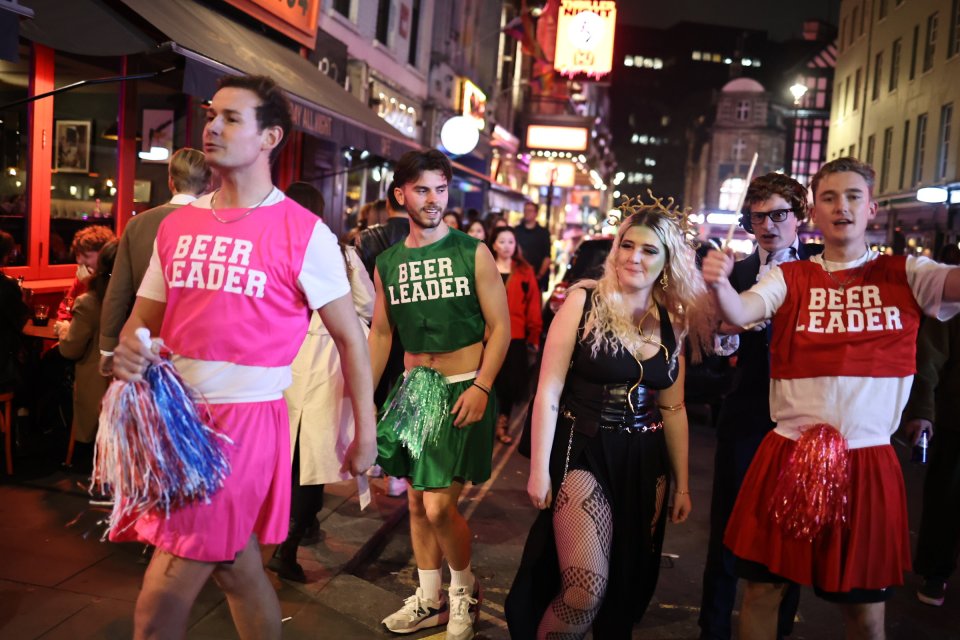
[{"x": 609, "y": 431}]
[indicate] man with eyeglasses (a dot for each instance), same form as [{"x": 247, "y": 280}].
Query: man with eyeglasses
[{"x": 774, "y": 208}]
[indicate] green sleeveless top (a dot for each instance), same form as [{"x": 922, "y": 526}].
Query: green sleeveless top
[{"x": 431, "y": 293}]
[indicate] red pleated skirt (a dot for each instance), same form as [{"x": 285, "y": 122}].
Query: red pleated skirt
[{"x": 871, "y": 552}]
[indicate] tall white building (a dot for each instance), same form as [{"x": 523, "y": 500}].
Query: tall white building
[{"x": 897, "y": 87}]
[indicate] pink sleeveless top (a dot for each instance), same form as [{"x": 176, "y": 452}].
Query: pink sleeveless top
[{"x": 233, "y": 290}]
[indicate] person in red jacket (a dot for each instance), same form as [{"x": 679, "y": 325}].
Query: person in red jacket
[{"x": 523, "y": 299}]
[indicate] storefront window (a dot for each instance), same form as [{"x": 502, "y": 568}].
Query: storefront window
[
  {"x": 164, "y": 114},
  {"x": 14, "y": 84},
  {"x": 367, "y": 179},
  {"x": 83, "y": 183}
]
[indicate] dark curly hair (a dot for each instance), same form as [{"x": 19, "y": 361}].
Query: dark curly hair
[
  {"x": 770, "y": 185},
  {"x": 274, "y": 108}
]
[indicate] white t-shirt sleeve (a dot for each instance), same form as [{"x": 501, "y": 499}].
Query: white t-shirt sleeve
[
  {"x": 153, "y": 285},
  {"x": 323, "y": 276},
  {"x": 360, "y": 285},
  {"x": 926, "y": 279},
  {"x": 772, "y": 289}
]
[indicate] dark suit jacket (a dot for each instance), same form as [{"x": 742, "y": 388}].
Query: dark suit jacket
[
  {"x": 133, "y": 257},
  {"x": 746, "y": 409}
]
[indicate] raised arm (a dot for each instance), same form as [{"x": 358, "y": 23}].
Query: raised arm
[
  {"x": 340, "y": 319},
  {"x": 740, "y": 309},
  {"x": 557, "y": 353}
]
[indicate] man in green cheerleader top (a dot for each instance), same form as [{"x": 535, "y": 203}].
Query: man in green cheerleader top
[{"x": 441, "y": 290}]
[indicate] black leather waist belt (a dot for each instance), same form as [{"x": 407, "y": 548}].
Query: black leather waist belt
[
  {"x": 622, "y": 407},
  {"x": 624, "y": 428}
]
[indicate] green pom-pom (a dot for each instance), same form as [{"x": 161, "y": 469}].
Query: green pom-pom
[{"x": 419, "y": 409}]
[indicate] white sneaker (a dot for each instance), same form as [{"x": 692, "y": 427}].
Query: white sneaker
[
  {"x": 464, "y": 612},
  {"x": 418, "y": 613},
  {"x": 396, "y": 487}
]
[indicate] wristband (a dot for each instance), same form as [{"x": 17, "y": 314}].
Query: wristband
[
  {"x": 682, "y": 493},
  {"x": 672, "y": 407},
  {"x": 481, "y": 387}
]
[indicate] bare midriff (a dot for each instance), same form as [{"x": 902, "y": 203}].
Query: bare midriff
[{"x": 449, "y": 363}]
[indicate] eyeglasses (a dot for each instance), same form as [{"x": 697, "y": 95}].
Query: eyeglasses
[{"x": 777, "y": 215}]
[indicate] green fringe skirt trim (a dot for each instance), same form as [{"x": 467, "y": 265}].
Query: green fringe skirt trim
[{"x": 416, "y": 438}]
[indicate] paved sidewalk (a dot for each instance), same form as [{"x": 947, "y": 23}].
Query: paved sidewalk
[{"x": 59, "y": 581}]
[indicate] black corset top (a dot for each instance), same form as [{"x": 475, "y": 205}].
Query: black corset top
[{"x": 603, "y": 389}]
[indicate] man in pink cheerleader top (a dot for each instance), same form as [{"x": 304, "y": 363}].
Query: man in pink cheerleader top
[{"x": 229, "y": 287}]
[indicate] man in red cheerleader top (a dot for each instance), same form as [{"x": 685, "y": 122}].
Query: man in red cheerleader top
[{"x": 823, "y": 503}]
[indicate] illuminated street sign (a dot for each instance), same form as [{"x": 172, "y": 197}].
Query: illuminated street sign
[
  {"x": 541, "y": 136},
  {"x": 585, "y": 37}
]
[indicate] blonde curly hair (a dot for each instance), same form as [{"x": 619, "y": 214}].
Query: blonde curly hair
[{"x": 610, "y": 325}]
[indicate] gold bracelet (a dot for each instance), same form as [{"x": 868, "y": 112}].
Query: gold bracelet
[
  {"x": 682, "y": 493},
  {"x": 673, "y": 407}
]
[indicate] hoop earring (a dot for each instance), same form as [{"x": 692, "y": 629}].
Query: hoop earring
[{"x": 664, "y": 280}]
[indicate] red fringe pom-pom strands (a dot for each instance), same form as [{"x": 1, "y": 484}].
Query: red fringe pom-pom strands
[{"x": 813, "y": 490}]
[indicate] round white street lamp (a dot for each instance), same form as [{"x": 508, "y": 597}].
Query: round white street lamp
[{"x": 459, "y": 135}]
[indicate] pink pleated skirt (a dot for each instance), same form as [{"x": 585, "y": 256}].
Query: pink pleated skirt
[{"x": 255, "y": 499}]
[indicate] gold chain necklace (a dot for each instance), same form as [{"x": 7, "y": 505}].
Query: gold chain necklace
[
  {"x": 646, "y": 340},
  {"x": 841, "y": 286},
  {"x": 243, "y": 215}
]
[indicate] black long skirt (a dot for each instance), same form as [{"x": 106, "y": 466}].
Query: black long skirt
[{"x": 633, "y": 470}]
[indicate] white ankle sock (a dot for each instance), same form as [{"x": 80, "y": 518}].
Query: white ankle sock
[
  {"x": 430, "y": 582},
  {"x": 462, "y": 578}
]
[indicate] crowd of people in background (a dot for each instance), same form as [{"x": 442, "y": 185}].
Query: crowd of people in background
[{"x": 433, "y": 316}]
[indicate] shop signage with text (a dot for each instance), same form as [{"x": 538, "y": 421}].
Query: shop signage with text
[
  {"x": 473, "y": 103},
  {"x": 296, "y": 19},
  {"x": 311, "y": 120},
  {"x": 585, "y": 31}
]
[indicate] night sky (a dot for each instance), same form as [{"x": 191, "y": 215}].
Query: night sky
[{"x": 780, "y": 19}]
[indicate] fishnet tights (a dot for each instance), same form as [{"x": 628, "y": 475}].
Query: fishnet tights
[{"x": 583, "y": 528}]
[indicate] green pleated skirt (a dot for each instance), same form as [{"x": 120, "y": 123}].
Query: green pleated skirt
[{"x": 462, "y": 454}]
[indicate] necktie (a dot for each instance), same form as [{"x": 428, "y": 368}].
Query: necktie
[{"x": 788, "y": 254}]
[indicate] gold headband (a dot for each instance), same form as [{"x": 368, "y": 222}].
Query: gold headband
[{"x": 666, "y": 207}]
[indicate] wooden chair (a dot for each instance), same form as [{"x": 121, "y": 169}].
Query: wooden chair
[{"x": 6, "y": 427}]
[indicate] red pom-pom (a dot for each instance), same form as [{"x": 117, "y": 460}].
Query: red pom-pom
[{"x": 813, "y": 489}]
